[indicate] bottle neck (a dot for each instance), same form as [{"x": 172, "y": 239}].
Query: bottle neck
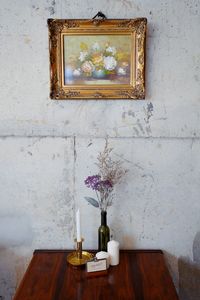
[{"x": 104, "y": 218}]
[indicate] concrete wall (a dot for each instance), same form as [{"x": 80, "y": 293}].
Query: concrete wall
[{"x": 47, "y": 148}]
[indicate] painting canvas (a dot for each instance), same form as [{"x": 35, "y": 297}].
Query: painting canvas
[{"x": 97, "y": 59}]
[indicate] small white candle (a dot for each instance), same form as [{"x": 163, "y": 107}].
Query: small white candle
[
  {"x": 113, "y": 250},
  {"x": 104, "y": 255},
  {"x": 78, "y": 226}
]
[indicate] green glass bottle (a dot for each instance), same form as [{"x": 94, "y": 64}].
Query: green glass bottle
[{"x": 104, "y": 232}]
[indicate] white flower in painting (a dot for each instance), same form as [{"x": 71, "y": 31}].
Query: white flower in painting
[
  {"x": 77, "y": 72},
  {"x": 111, "y": 50},
  {"x": 121, "y": 71},
  {"x": 83, "y": 55},
  {"x": 95, "y": 47},
  {"x": 109, "y": 63}
]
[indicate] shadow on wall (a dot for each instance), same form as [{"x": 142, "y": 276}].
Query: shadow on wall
[
  {"x": 12, "y": 269},
  {"x": 7, "y": 274},
  {"x": 15, "y": 231},
  {"x": 189, "y": 273},
  {"x": 172, "y": 265}
]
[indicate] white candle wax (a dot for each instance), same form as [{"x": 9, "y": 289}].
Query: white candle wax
[
  {"x": 78, "y": 226},
  {"x": 113, "y": 250},
  {"x": 104, "y": 255}
]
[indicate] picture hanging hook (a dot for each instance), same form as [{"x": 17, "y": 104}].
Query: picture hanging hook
[{"x": 100, "y": 15}]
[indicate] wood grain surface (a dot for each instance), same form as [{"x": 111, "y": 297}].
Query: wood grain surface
[{"x": 141, "y": 275}]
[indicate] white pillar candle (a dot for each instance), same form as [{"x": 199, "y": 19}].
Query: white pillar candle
[
  {"x": 113, "y": 250},
  {"x": 78, "y": 226},
  {"x": 104, "y": 255}
]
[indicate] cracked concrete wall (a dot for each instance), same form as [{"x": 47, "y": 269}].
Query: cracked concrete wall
[{"x": 47, "y": 148}]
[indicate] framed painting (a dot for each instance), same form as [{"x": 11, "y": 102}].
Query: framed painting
[{"x": 97, "y": 59}]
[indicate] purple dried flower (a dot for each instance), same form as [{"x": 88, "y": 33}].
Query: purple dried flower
[
  {"x": 103, "y": 189},
  {"x": 107, "y": 183},
  {"x": 92, "y": 181},
  {"x": 103, "y": 185}
]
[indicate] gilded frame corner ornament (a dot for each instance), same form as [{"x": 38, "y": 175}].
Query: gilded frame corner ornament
[{"x": 135, "y": 29}]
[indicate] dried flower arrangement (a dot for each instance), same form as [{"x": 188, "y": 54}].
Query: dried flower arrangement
[{"x": 110, "y": 173}]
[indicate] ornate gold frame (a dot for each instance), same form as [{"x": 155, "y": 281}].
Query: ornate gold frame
[{"x": 136, "y": 28}]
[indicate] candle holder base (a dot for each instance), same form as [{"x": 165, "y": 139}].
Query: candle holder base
[
  {"x": 74, "y": 260},
  {"x": 78, "y": 258}
]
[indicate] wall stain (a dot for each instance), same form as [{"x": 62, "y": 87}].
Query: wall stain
[
  {"x": 136, "y": 131},
  {"x": 27, "y": 40},
  {"x": 138, "y": 166},
  {"x": 75, "y": 153},
  {"x": 35, "y": 7},
  {"x": 192, "y": 142},
  {"x": 131, "y": 113},
  {"x": 126, "y": 3},
  {"x": 140, "y": 126},
  {"x": 148, "y": 130},
  {"x": 159, "y": 145},
  {"x": 196, "y": 77},
  {"x": 51, "y": 8},
  {"x": 115, "y": 129},
  {"x": 148, "y": 112},
  {"x": 123, "y": 115}
]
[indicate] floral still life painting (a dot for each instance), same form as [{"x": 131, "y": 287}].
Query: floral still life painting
[
  {"x": 103, "y": 59},
  {"x": 110, "y": 173},
  {"x": 97, "y": 59}
]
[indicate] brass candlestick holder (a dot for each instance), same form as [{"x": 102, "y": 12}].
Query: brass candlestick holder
[
  {"x": 79, "y": 257},
  {"x": 79, "y": 249}
]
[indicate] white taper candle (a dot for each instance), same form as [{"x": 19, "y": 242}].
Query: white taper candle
[{"x": 78, "y": 226}]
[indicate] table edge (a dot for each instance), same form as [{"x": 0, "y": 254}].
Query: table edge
[{"x": 95, "y": 250}]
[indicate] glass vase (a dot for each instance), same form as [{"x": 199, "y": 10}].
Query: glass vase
[{"x": 103, "y": 232}]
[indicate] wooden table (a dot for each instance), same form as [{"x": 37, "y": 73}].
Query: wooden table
[{"x": 141, "y": 275}]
